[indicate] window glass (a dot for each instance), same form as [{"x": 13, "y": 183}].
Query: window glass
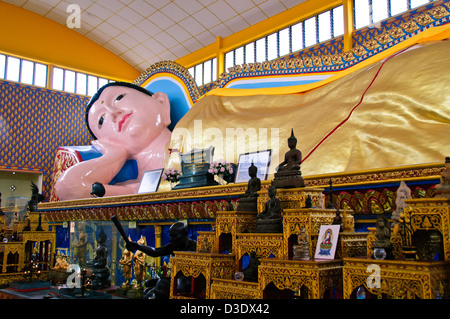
[
  {"x": 261, "y": 50},
  {"x": 284, "y": 40},
  {"x": 207, "y": 77},
  {"x": 101, "y": 82},
  {"x": 214, "y": 69},
  {"x": 81, "y": 83},
  {"x": 310, "y": 32},
  {"x": 69, "y": 81},
  {"x": 362, "y": 13},
  {"x": 417, "y": 3},
  {"x": 40, "y": 75},
  {"x": 398, "y": 6},
  {"x": 338, "y": 21},
  {"x": 324, "y": 26},
  {"x": 27, "y": 72},
  {"x": 379, "y": 10},
  {"x": 250, "y": 53},
  {"x": 92, "y": 85},
  {"x": 272, "y": 46},
  {"x": 239, "y": 56},
  {"x": 297, "y": 37},
  {"x": 191, "y": 71},
  {"x": 13, "y": 69},
  {"x": 199, "y": 74},
  {"x": 2, "y": 66},
  {"x": 229, "y": 60},
  {"x": 58, "y": 79}
]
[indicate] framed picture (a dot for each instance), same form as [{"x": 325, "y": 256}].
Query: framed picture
[
  {"x": 150, "y": 181},
  {"x": 327, "y": 242},
  {"x": 260, "y": 159}
]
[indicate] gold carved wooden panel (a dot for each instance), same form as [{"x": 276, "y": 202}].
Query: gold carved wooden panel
[
  {"x": 397, "y": 278},
  {"x": 317, "y": 276}
]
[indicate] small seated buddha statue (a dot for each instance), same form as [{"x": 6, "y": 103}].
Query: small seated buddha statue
[
  {"x": 288, "y": 173},
  {"x": 249, "y": 200},
  {"x": 301, "y": 249},
  {"x": 293, "y": 157},
  {"x": 269, "y": 220}
]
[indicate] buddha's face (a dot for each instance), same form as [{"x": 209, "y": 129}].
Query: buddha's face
[
  {"x": 252, "y": 171},
  {"x": 292, "y": 142},
  {"x": 129, "y": 117}
]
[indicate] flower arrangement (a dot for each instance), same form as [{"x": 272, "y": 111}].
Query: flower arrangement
[
  {"x": 224, "y": 171},
  {"x": 171, "y": 175},
  {"x": 223, "y": 168}
]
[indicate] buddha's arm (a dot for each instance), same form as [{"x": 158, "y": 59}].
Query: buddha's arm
[{"x": 76, "y": 181}]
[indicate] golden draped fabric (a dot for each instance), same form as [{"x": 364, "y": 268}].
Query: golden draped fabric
[{"x": 392, "y": 112}]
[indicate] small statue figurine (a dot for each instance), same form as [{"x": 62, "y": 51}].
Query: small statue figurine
[
  {"x": 127, "y": 268},
  {"x": 337, "y": 220},
  {"x": 61, "y": 262},
  {"x": 403, "y": 192},
  {"x": 251, "y": 271},
  {"x": 249, "y": 200},
  {"x": 308, "y": 202},
  {"x": 229, "y": 206},
  {"x": 139, "y": 265},
  {"x": 293, "y": 157},
  {"x": 383, "y": 236},
  {"x": 288, "y": 173},
  {"x": 321, "y": 201},
  {"x": 101, "y": 275},
  {"x": 330, "y": 193},
  {"x": 81, "y": 245},
  {"x": 301, "y": 250},
  {"x": 269, "y": 220},
  {"x": 272, "y": 208}
]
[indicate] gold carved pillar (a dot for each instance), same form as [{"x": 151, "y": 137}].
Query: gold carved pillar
[{"x": 158, "y": 242}]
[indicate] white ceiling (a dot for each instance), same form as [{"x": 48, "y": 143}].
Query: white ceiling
[{"x": 143, "y": 32}]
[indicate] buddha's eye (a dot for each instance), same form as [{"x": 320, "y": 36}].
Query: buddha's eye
[
  {"x": 119, "y": 97},
  {"x": 100, "y": 122}
]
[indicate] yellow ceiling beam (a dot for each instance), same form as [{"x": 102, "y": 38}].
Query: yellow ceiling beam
[{"x": 28, "y": 35}]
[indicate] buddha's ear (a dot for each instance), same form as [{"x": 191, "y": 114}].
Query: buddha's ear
[{"x": 165, "y": 104}]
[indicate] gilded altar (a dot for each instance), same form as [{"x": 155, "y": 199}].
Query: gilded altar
[
  {"x": 396, "y": 278},
  {"x": 317, "y": 276},
  {"x": 25, "y": 241},
  {"x": 221, "y": 253},
  {"x": 420, "y": 263},
  {"x": 231, "y": 223},
  {"x": 428, "y": 216},
  {"x": 310, "y": 219},
  {"x": 234, "y": 289},
  {"x": 199, "y": 266},
  {"x": 263, "y": 245},
  {"x": 232, "y": 231}
]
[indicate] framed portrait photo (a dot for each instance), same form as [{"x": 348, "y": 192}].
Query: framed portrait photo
[
  {"x": 150, "y": 181},
  {"x": 260, "y": 159},
  {"x": 327, "y": 242}
]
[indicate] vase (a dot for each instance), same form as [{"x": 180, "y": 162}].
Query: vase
[{"x": 221, "y": 180}]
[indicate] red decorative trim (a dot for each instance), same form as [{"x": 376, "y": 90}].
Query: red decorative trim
[{"x": 354, "y": 108}]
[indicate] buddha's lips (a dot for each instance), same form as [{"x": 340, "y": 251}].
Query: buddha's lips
[{"x": 123, "y": 120}]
